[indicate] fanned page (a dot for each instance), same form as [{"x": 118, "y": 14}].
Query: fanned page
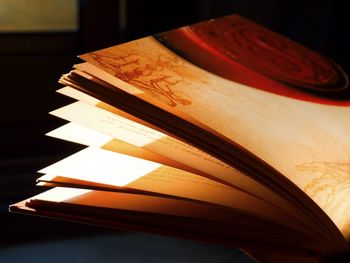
[
  {"x": 121, "y": 128},
  {"x": 170, "y": 151},
  {"x": 116, "y": 171},
  {"x": 176, "y": 217},
  {"x": 269, "y": 95}
]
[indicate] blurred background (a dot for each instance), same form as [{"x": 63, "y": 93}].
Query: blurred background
[{"x": 40, "y": 40}]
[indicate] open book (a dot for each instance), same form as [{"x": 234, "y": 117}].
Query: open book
[{"x": 222, "y": 131}]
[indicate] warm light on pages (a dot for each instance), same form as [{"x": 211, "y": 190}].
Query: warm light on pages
[
  {"x": 78, "y": 95},
  {"x": 111, "y": 168},
  {"x": 107, "y": 123},
  {"x": 60, "y": 194},
  {"x": 137, "y": 134},
  {"x": 80, "y": 134}
]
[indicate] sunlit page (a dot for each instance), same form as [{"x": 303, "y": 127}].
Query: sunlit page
[
  {"x": 306, "y": 141},
  {"x": 137, "y": 134},
  {"x": 134, "y": 202},
  {"x": 82, "y": 135},
  {"x": 110, "y": 168}
]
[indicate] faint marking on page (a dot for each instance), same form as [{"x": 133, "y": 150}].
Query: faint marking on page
[
  {"x": 155, "y": 75},
  {"x": 330, "y": 188}
]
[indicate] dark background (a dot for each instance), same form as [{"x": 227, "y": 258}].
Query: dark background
[{"x": 31, "y": 64}]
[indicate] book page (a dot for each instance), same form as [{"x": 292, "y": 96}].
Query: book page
[
  {"x": 137, "y": 134},
  {"x": 307, "y": 141},
  {"x": 93, "y": 165},
  {"x": 111, "y": 168},
  {"x": 88, "y": 137},
  {"x": 159, "y": 215},
  {"x": 82, "y": 135}
]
